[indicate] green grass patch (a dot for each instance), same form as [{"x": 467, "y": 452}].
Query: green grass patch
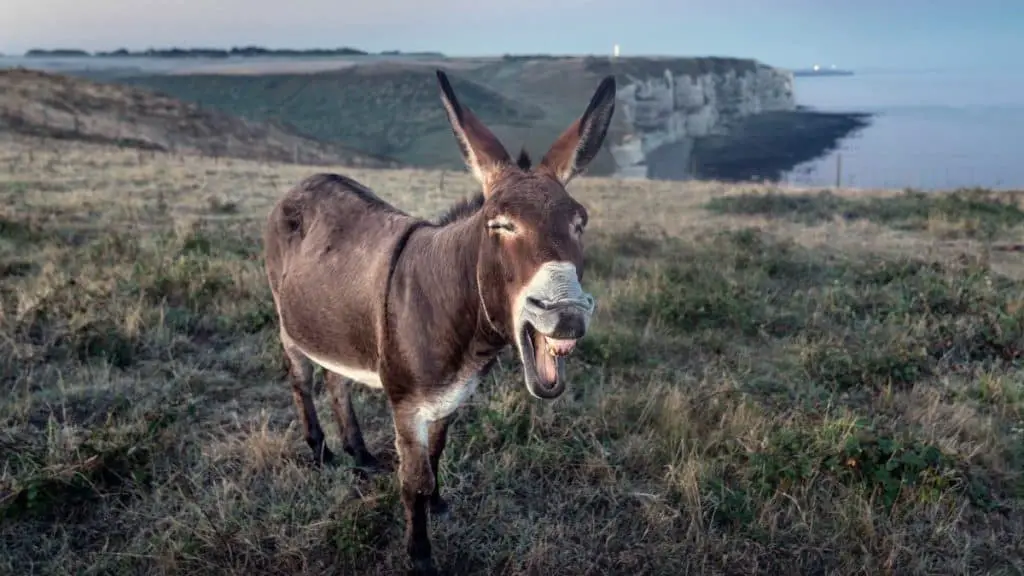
[
  {"x": 193, "y": 284},
  {"x": 848, "y": 322},
  {"x": 51, "y": 481},
  {"x": 19, "y": 231},
  {"x": 846, "y": 459},
  {"x": 970, "y": 213}
]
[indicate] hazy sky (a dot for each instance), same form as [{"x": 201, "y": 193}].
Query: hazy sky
[{"x": 853, "y": 33}]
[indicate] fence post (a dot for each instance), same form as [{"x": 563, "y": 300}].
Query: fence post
[{"x": 839, "y": 169}]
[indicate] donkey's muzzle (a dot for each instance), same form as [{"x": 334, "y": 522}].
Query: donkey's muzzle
[
  {"x": 566, "y": 320},
  {"x": 553, "y": 314}
]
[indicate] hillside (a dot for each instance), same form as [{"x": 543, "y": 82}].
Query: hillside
[
  {"x": 64, "y": 107},
  {"x": 776, "y": 381},
  {"x": 386, "y": 109}
]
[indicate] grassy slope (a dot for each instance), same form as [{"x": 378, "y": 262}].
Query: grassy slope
[
  {"x": 786, "y": 383},
  {"x": 382, "y": 109},
  {"x": 56, "y": 106}
]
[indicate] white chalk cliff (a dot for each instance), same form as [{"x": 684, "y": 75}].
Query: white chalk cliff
[{"x": 678, "y": 109}]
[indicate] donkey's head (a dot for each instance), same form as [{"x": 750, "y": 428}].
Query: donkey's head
[{"x": 530, "y": 263}]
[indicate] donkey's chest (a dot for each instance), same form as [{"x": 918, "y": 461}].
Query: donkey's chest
[{"x": 440, "y": 403}]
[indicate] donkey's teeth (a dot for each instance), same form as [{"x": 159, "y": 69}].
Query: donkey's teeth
[{"x": 559, "y": 347}]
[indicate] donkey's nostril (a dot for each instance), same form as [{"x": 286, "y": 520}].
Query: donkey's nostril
[
  {"x": 535, "y": 303},
  {"x": 569, "y": 327}
]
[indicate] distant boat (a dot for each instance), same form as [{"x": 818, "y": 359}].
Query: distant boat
[{"x": 820, "y": 71}]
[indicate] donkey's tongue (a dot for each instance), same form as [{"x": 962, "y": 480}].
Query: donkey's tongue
[
  {"x": 547, "y": 368},
  {"x": 548, "y": 353}
]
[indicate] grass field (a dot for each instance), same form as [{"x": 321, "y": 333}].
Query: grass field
[{"x": 775, "y": 383}]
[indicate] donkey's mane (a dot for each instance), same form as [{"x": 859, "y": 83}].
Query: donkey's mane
[
  {"x": 524, "y": 161},
  {"x": 462, "y": 209},
  {"x": 468, "y": 206}
]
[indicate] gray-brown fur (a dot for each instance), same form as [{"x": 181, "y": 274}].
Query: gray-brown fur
[{"x": 421, "y": 308}]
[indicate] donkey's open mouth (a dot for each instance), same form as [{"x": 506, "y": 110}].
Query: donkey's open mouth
[
  {"x": 544, "y": 362},
  {"x": 553, "y": 312}
]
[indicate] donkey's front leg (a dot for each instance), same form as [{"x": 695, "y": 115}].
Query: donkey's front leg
[
  {"x": 417, "y": 484},
  {"x": 438, "y": 437}
]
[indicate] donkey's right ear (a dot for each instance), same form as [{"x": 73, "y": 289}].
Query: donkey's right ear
[
  {"x": 579, "y": 144},
  {"x": 483, "y": 152}
]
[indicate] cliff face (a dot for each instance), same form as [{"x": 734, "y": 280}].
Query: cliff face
[{"x": 662, "y": 117}]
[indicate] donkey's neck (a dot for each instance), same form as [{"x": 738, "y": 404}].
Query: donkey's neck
[{"x": 436, "y": 282}]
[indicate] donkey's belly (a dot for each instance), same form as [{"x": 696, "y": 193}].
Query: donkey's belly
[
  {"x": 330, "y": 317},
  {"x": 361, "y": 375}
]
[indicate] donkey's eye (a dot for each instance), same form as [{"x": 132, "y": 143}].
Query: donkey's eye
[
  {"x": 578, "y": 226},
  {"x": 501, "y": 224}
]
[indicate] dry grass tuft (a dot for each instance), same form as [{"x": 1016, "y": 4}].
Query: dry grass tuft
[{"x": 775, "y": 383}]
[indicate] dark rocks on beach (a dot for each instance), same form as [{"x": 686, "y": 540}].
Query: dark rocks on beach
[{"x": 759, "y": 147}]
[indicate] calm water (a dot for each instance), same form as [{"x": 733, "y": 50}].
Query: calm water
[{"x": 932, "y": 129}]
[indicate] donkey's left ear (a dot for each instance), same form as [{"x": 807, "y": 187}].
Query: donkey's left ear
[
  {"x": 580, "y": 143},
  {"x": 481, "y": 149}
]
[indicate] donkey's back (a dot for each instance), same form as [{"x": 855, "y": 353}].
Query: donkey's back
[{"x": 329, "y": 243}]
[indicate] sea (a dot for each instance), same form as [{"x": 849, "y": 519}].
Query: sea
[{"x": 930, "y": 129}]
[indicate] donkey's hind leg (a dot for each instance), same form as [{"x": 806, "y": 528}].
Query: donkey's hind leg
[
  {"x": 300, "y": 375},
  {"x": 340, "y": 389}
]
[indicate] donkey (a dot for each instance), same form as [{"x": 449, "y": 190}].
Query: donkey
[{"x": 422, "y": 309}]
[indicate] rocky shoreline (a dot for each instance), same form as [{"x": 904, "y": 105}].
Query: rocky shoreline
[{"x": 762, "y": 147}]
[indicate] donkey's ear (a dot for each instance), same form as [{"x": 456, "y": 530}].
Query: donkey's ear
[
  {"x": 481, "y": 149},
  {"x": 579, "y": 144}
]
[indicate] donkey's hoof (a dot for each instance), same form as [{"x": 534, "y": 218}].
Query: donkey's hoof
[
  {"x": 423, "y": 567},
  {"x": 367, "y": 464},
  {"x": 439, "y": 508},
  {"x": 323, "y": 458}
]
